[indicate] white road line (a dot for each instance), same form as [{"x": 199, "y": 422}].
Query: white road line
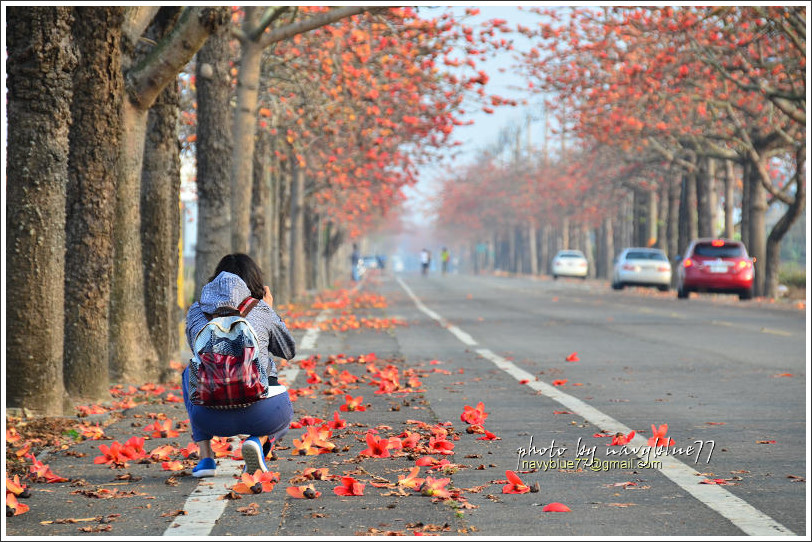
[
  {"x": 205, "y": 506},
  {"x": 743, "y": 515}
]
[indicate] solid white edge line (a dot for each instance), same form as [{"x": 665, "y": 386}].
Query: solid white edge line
[
  {"x": 742, "y": 514},
  {"x": 205, "y": 504}
]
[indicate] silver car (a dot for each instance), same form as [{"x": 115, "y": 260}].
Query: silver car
[
  {"x": 639, "y": 266},
  {"x": 570, "y": 263}
]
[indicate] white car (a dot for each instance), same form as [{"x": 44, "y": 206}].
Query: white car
[
  {"x": 638, "y": 266},
  {"x": 570, "y": 263}
]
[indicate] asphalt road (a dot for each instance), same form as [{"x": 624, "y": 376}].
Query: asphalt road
[
  {"x": 707, "y": 366},
  {"x": 727, "y": 375}
]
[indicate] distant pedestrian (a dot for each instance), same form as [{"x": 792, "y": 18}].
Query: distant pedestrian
[
  {"x": 236, "y": 280},
  {"x": 355, "y": 260},
  {"x": 444, "y": 257},
  {"x": 425, "y": 260}
]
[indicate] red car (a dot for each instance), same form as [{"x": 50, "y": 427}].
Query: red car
[{"x": 716, "y": 265}]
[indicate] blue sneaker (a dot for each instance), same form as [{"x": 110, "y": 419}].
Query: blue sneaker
[
  {"x": 253, "y": 455},
  {"x": 205, "y": 467}
]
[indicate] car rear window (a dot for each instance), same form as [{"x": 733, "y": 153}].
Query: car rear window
[
  {"x": 570, "y": 255},
  {"x": 646, "y": 256},
  {"x": 728, "y": 250}
]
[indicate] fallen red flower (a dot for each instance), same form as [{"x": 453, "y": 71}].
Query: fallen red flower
[
  {"x": 474, "y": 416},
  {"x": 352, "y": 404},
  {"x": 573, "y": 357},
  {"x": 515, "y": 484},
  {"x": 377, "y": 447},
  {"x": 556, "y": 507},
  {"x": 620, "y": 439},
  {"x": 659, "y": 437},
  {"x": 350, "y": 487}
]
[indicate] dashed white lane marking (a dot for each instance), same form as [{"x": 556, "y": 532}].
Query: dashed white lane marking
[{"x": 743, "y": 515}]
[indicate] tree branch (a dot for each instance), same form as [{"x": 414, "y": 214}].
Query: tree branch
[
  {"x": 147, "y": 80},
  {"x": 311, "y": 23}
]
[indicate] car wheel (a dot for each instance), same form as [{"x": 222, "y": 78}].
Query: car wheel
[
  {"x": 746, "y": 294},
  {"x": 617, "y": 286},
  {"x": 663, "y": 288},
  {"x": 555, "y": 277},
  {"x": 583, "y": 278},
  {"x": 682, "y": 292}
]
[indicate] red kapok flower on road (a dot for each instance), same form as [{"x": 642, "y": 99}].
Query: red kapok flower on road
[
  {"x": 572, "y": 357},
  {"x": 136, "y": 446},
  {"x": 172, "y": 465},
  {"x": 441, "y": 446},
  {"x": 90, "y": 432},
  {"x": 337, "y": 422},
  {"x": 13, "y": 507},
  {"x": 258, "y": 482},
  {"x": 162, "y": 453},
  {"x": 303, "y": 492},
  {"x": 620, "y": 439},
  {"x": 435, "y": 487},
  {"x": 474, "y": 416},
  {"x": 411, "y": 480},
  {"x": 489, "y": 436},
  {"x": 350, "y": 487},
  {"x": 378, "y": 447},
  {"x": 116, "y": 455},
  {"x": 515, "y": 484},
  {"x": 162, "y": 429},
  {"x": 190, "y": 449},
  {"x": 659, "y": 436},
  {"x": 556, "y": 507},
  {"x": 353, "y": 404},
  {"x": 560, "y": 382}
]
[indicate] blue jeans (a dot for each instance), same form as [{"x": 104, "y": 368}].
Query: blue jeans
[{"x": 270, "y": 417}]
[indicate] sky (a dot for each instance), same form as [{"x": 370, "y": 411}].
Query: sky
[{"x": 485, "y": 130}]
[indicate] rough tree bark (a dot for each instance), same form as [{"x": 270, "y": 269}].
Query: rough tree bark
[
  {"x": 261, "y": 241},
  {"x": 41, "y": 59},
  {"x": 796, "y": 208},
  {"x": 213, "y": 155},
  {"x": 160, "y": 223},
  {"x": 94, "y": 136},
  {"x": 130, "y": 353},
  {"x": 297, "y": 237}
]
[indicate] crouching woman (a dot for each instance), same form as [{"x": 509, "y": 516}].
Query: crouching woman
[{"x": 236, "y": 279}]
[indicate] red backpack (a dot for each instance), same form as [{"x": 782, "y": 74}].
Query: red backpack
[{"x": 225, "y": 371}]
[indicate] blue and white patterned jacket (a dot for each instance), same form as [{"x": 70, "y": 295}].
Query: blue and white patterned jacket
[{"x": 228, "y": 290}]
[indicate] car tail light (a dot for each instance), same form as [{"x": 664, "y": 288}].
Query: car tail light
[
  {"x": 663, "y": 268},
  {"x": 628, "y": 267},
  {"x": 687, "y": 262},
  {"x": 743, "y": 264},
  {"x": 582, "y": 264}
]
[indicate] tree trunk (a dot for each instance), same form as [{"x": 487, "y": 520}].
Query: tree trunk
[
  {"x": 607, "y": 253},
  {"x": 94, "y": 136},
  {"x": 673, "y": 226},
  {"x": 213, "y": 156},
  {"x": 532, "y": 243},
  {"x": 662, "y": 216},
  {"x": 260, "y": 205},
  {"x": 41, "y": 59},
  {"x": 245, "y": 123},
  {"x": 729, "y": 194},
  {"x": 744, "y": 224},
  {"x": 687, "y": 212},
  {"x": 544, "y": 250},
  {"x": 773, "y": 256},
  {"x": 283, "y": 242},
  {"x": 704, "y": 197},
  {"x": 758, "y": 230},
  {"x": 160, "y": 229},
  {"x": 297, "y": 234}
]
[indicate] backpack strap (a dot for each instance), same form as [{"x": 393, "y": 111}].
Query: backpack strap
[
  {"x": 242, "y": 310},
  {"x": 247, "y": 304}
]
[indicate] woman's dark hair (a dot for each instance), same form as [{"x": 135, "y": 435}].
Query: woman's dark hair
[{"x": 244, "y": 267}]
